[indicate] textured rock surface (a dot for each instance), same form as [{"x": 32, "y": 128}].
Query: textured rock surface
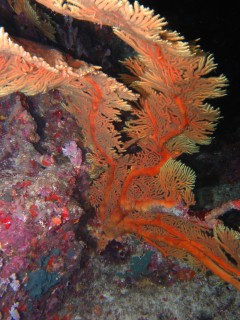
[{"x": 38, "y": 215}]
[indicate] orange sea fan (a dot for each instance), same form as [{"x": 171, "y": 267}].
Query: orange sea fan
[{"x": 136, "y": 190}]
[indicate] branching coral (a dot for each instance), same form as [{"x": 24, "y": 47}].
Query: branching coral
[{"x": 136, "y": 192}]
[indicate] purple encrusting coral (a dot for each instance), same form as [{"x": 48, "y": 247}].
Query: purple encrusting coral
[
  {"x": 38, "y": 215},
  {"x": 74, "y": 154}
]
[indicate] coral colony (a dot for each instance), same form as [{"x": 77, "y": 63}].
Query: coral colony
[{"x": 134, "y": 132}]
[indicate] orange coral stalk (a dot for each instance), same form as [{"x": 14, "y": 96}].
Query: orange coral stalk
[{"x": 177, "y": 239}]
